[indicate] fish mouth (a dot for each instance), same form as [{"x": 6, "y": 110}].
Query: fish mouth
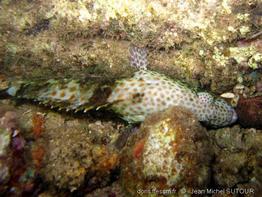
[{"x": 233, "y": 117}]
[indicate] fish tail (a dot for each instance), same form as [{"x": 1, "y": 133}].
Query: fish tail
[{"x": 69, "y": 95}]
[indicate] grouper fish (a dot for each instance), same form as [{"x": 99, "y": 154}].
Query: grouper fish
[{"x": 131, "y": 98}]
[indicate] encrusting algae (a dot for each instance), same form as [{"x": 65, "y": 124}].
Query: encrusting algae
[{"x": 132, "y": 98}]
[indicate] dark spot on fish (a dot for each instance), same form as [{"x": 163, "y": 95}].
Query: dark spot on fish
[
  {"x": 137, "y": 98},
  {"x": 72, "y": 97},
  {"x": 53, "y": 93},
  {"x": 62, "y": 94}
]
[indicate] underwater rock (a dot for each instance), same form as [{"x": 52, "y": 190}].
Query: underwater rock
[
  {"x": 5, "y": 139},
  {"x": 238, "y": 159},
  {"x": 7, "y": 125},
  {"x": 40, "y": 26},
  {"x": 14, "y": 166},
  {"x": 259, "y": 86},
  {"x": 184, "y": 42},
  {"x": 78, "y": 153},
  {"x": 170, "y": 152},
  {"x": 4, "y": 175},
  {"x": 113, "y": 190},
  {"x": 249, "y": 112}
]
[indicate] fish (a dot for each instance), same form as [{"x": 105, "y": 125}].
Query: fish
[{"x": 132, "y": 98}]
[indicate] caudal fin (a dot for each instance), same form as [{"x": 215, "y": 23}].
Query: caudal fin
[{"x": 138, "y": 57}]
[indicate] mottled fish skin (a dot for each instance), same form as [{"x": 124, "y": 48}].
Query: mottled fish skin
[
  {"x": 148, "y": 92},
  {"x": 132, "y": 98},
  {"x": 66, "y": 94}
]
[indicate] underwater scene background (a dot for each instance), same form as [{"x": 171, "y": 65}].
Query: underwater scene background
[{"x": 130, "y": 98}]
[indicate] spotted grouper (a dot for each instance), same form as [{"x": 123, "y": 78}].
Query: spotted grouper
[{"x": 132, "y": 98}]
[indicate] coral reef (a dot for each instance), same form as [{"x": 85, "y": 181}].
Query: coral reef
[
  {"x": 171, "y": 151},
  {"x": 237, "y": 158}
]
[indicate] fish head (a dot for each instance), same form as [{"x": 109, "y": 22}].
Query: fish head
[{"x": 222, "y": 114}]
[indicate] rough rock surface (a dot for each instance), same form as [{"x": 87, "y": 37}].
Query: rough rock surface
[
  {"x": 16, "y": 172},
  {"x": 72, "y": 148},
  {"x": 91, "y": 38},
  {"x": 171, "y": 150},
  {"x": 237, "y": 158},
  {"x": 74, "y": 152},
  {"x": 249, "y": 112}
]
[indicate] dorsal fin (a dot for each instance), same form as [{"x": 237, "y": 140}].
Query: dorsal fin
[{"x": 138, "y": 57}]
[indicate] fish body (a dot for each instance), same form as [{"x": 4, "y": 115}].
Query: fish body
[
  {"x": 148, "y": 92},
  {"x": 132, "y": 98}
]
